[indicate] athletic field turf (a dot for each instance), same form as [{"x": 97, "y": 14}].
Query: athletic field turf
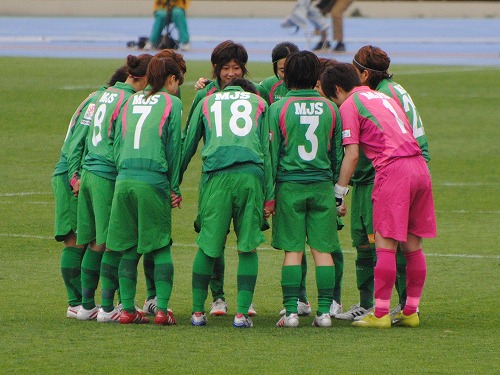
[{"x": 459, "y": 311}]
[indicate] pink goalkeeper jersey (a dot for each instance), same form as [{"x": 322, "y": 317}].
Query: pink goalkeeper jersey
[{"x": 378, "y": 124}]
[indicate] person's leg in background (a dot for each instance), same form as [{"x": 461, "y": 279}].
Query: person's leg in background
[
  {"x": 179, "y": 20},
  {"x": 337, "y": 14}
]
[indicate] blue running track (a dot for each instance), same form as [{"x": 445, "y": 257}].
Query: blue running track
[{"x": 474, "y": 42}]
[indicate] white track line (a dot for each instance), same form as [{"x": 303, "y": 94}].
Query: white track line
[{"x": 267, "y": 248}]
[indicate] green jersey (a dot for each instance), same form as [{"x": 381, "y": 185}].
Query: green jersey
[
  {"x": 74, "y": 143},
  {"x": 306, "y": 144},
  {"x": 273, "y": 89},
  {"x": 209, "y": 89},
  {"x": 148, "y": 140},
  {"x": 99, "y": 159},
  {"x": 232, "y": 124},
  {"x": 396, "y": 91}
]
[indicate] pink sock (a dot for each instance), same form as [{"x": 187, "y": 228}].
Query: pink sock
[
  {"x": 416, "y": 271},
  {"x": 385, "y": 276}
]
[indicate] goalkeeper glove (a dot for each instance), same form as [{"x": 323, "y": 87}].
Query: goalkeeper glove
[{"x": 340, "y": 193}]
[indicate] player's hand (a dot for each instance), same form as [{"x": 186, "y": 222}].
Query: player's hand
[
  {"x": 74, "y": 183},
  {"x": 269, "y": 209},
  {"x": 342, "y": 210},
  {"x": 340, "y": 193},
  {"x": 201, "y": 83},
  {"x": 175, "y": 200}
]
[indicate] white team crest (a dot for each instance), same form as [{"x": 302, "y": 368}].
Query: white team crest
[{"x": 346, "y": 133}]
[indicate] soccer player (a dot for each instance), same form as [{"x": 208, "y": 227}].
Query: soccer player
[
  {"x": 151, "y": 303},
  {"x": 229, "y": 61},
  {"x": 304, "y": 153},
  {"x": 273, "y": 88},
  {"x": 372, "y": 65},
  {"x": 95, "y": 193},
  {"x": 238, "y": 187},
  {"x": 403, "y": 207},
  {"x": 147, "y": 152},
  {"x": 66, "y": 202},
  {"x": 338, "y": 256}
]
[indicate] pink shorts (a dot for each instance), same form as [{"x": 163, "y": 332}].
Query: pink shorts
[{"x": 402, "y": 200}]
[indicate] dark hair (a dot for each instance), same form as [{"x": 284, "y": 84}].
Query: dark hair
[
  {"x": 245, "y": 84},
  {"x": 176, "y": 56},
  {"x": 120, "y": 75},
  {"x": 280, "y": 51},
  {"x": 224, "y": 53},
  {"x": 302, "y": 70},
  {"x": 326, "y": 63},
  {"x": 375, "y": 61},
  {"x": 343, "y": 75},
  {"x": 159, "y": 69},
  {"x": 138, "y": 65}
]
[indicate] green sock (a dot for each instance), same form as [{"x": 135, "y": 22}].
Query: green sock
[
  {"x": 302, "y": 288},
  {"x": 91, "y": 265},
  {"x": 203, "y": 267},
  {"x": 401, "y": 277},
  {"x": 109, "y": 278},
  {"x": 149, "y": 274},
  {"x": 365, "y": 262},
  {"x": 338, "y": 261},
  {"x": 217, "y": 279},
  {"x": 325, "y": 278},
  {"x": 71, "y": 269},
  {"x": 248, "y": 267},
  {"x": 290, "y": 285},
  {"x": 127, "y": 274},
  {"x": 163, "y": 276}
]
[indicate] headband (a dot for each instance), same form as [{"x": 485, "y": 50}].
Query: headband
[{"x": 364, "y": 67}]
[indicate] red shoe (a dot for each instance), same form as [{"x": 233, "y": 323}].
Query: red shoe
[
  {"x": 136, "y": 318},
  {"x": 167, "y": 319}
]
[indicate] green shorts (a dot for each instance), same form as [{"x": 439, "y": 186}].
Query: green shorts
[
  {"x": 141, "y": 216},
  {"x": 305, "y": 212},
  {"x": 94, "y": 207},
  {"x": 226, "y": 196},
  {"x": 362, "y": 215},
  {"x": 66, "y": 207}
]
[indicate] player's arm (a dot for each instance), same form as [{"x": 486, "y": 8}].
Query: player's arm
[
  {"x": 275, "y": 139},
  {"x": 351, "y": 156},
  {"x": 193, "y": 133},
  {"x": 336, "y": 149},
  {"x": 198, "y": 97},
  {"x": 77, "y": 146},
  {"x": 118, "y": 137},
  {"x": 268, "y": 174},
  {"x": 173, "y": 148}
]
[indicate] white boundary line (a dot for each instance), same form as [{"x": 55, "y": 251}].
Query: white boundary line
[
  {"x": 244, "y": 39},
  {"x": 267, "y": 248},
  {"x": 445, "y": 183}
]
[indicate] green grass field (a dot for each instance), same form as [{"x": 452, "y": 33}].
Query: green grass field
[{"x": 460, "y": 321}]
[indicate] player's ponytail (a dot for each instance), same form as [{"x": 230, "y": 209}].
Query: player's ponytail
[{"x": 159, "y": 69}]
